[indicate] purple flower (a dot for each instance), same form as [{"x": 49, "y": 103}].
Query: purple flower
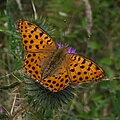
[
  {"x": 60, "y": 45},
  {"x": 69, "y": 49}
]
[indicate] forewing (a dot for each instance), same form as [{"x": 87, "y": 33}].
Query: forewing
[
  {"x": 81, "y": 69},
  {"x": 34, "y": 38}
]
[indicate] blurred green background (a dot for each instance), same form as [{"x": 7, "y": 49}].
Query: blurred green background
[{"x": 92, "y": 27}]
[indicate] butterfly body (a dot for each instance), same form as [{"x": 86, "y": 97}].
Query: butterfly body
[
  {"x": 53, "y": 62},
  {"x": 52, "y": 66}
]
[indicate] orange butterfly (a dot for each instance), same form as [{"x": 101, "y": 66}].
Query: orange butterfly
[{"x": 52, "y": 65}]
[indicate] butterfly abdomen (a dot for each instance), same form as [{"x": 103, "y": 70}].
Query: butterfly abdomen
[{"x": 53, "y": 62}]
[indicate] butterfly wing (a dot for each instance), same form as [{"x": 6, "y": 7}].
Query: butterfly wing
[
  {"x": 34, "y": 38},
  {"x": 81, "y": 69},
  {"x": 58, "y": 81},
  {"x": 37, "y": 44},
  {"x": 32, "y": 64}
]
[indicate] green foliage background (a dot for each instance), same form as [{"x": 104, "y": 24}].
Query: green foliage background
[{"x": 101, "y": 43}]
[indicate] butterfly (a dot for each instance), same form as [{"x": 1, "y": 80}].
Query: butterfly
[{"x": 51, "y": 64}]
